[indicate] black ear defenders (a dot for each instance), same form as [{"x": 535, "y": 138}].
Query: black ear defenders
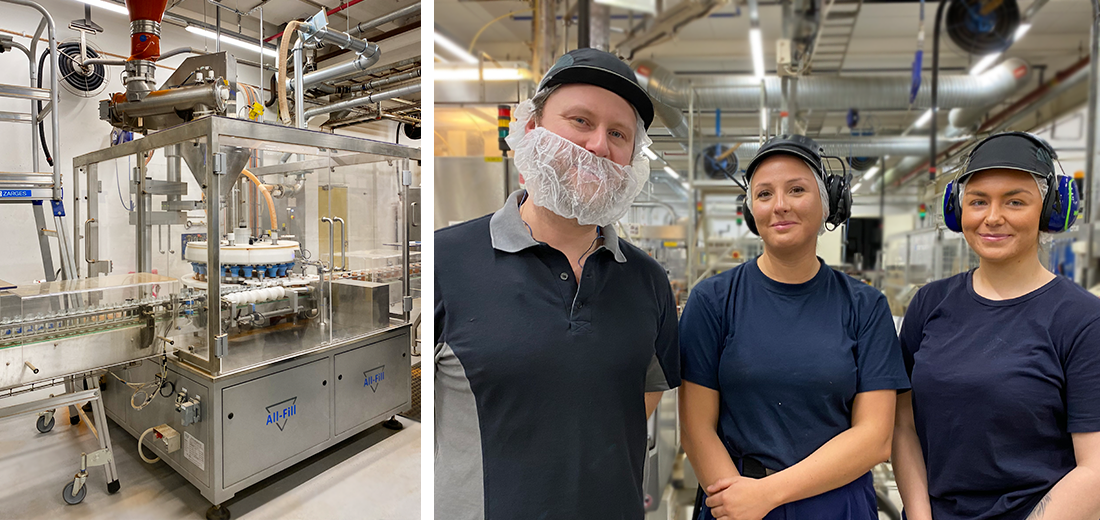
[
  {"x": 837, "y": 187},
  {"x": 1024, "y": 152}
]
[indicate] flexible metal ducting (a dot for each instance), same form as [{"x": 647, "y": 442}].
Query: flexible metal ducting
[{"x": 833, "y": 92}]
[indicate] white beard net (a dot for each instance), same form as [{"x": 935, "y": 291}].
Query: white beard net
[{"x": 569, "y": 180}]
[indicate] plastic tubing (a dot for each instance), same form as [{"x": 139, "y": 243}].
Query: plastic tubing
[{"x": 267, "y": 196}]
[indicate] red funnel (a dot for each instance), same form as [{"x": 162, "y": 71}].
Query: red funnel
[{"x": 145, "y": 45}]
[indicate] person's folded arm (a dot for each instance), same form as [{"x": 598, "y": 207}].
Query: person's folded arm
[
  {"x": 699, "y": 434},
  {"x": 837, "y": 463}
]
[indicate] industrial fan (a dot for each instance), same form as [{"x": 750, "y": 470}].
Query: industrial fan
[
  {"x": 718, "y": 161},
  {"x": 983, "y": 27}
]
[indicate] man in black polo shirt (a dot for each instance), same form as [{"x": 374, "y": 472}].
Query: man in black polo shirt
[{"x": 554, "y": 338}]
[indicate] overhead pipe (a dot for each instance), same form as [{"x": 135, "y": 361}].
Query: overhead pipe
[
  {"x": 361, "y": 27},
  {"x": 381, "y": 82},
  {"x": 833, "y": 92},
  {"x": 362, "y": 100},
  {"x": 330, "y": 12},
  {"x": 365, "y": 58}
]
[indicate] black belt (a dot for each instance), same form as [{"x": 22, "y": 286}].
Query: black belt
[{"x": 753, "y": 468}]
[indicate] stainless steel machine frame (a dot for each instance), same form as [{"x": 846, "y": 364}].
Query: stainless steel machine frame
[{"x": 265, "y": 406}]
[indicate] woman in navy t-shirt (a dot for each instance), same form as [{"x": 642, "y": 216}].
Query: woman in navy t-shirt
[
  {"x": 1004, "y": 417},
  {"x": 790, "y": 368}
]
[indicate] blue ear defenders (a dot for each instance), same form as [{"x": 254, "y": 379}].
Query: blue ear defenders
[
  {"x": 837, "y": 187},
  {"x": 1060, "y": 205}
]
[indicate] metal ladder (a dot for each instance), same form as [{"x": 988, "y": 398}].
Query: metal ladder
[
  {"x": 36, "y": 188},
  {"x": 836, "y": 30}
]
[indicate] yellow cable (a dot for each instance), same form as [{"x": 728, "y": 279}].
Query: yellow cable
[{"x": 491, "y": 22}]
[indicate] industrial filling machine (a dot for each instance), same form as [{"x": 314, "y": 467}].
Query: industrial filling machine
[{"x": 292, "y": 329}]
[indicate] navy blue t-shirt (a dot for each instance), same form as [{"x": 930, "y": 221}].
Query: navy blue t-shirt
[
  {"x": 998, "y": 386},
  {"x": 787, "y": 359}
]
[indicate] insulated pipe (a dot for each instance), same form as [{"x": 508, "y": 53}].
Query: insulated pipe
[
  {"x": 332, "y": 90},
  {"x": 357, "y": 66},
  {"x": 362, "y": 100},
  {"x": 400, "y": 13},
  {"x": 832, "y": 92},
  {"x": 673, "y": 119},
  {"x": 343, "y": 40},
  {"x": 381, "y": 82},
  {"x": 213, "y": 95}
]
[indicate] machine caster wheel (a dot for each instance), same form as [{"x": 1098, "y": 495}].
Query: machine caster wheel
[
  {"x": 113, "y": 487},
  {"x": 42, "y": 425},
  {"x": 67, "y": 494},
  {"x": 87, "y": 407},
  {"x": 217, "y": 513},
  {"x": 74, "y": 420},
  {"x": 393, "y": 424}
]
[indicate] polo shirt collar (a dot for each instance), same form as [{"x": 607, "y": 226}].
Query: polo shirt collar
[{"x": 510, "y": 234}]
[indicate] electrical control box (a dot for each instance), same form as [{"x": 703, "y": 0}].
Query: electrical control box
[{"x": 167, "y": 438}]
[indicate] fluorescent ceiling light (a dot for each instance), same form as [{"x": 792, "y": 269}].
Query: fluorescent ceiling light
[
  {"x": 984, "y": 64},
  {"x": 870, "y": 173},
  {"x": 670, "y": 171},
  {"x": 1021, "y": 31},
  {"x": 454, "y": 48},
  {"x": 756, "y": 41},
  {"x": 231, "y": 41},
  {"x": 764, "y": 118},
  {"x": 924, "y": 119},
  {"x": 110, "y": 6},
  {"x": 685, "y": 185},
  {"x": 857, "y": 187},
  {"x": 471, "y": 74},
  {"x": 649, "y": 153}
]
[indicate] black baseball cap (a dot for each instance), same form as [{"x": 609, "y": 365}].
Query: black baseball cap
[
  {"x": 1014, "y": 151},
  {"x": 793, "y": 144},
  {"x": 602, "y": 69}
]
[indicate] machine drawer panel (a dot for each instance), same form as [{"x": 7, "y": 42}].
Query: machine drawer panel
[
  {"x": 370, "y": 381},
  {"x": 269, "y": 419}
]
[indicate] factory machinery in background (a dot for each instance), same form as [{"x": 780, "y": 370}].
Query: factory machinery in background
[{"x": 289, "y": 334}]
